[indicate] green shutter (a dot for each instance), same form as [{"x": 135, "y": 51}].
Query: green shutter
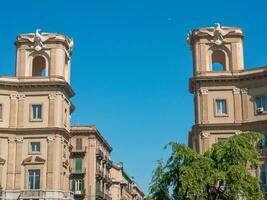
[{"x": 79, "y": 164}]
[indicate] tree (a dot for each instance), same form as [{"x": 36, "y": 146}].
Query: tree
[{"x": 223, "y": 172}]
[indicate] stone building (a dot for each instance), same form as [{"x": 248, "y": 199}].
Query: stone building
[
  {"x": 228, "y": 98},
  {"x": 124, "y": 187},
  {"x": 41, "y": 155}
]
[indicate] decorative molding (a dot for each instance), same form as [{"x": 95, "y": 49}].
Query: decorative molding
[
  {"x": 19, "y": 139},
  {"x": 11, "y": 140},
  {"x": 244, "y": 90},
  {"x": 205, "y": 134},
  {"x": 51, "y": 97},
  {"x": 13, "y": 96},
  {"x": 36, "y": 39},
  {"x": 236, "y": 91},
  {"x": 21, "y": 97},
  {"x": 203, "y": 91},
  {"x": 50, "y": 139}
]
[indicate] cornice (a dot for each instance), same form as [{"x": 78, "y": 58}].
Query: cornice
[
  {"x": 33, "y": 84},
  {"x": 224, "y": 77}
]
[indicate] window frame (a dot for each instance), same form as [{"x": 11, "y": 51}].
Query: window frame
[
  {"x": 216, "y": 114},
  {"x": 29, "y": 187},
  {"x": 256, "y": 106},
  {"x": 2, "y": 113},
  {"x": 30, "y": 147},
  {"x": 31, "y": 112}
]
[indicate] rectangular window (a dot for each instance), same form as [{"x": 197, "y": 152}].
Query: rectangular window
[
  {"x": 78, "y": 165},
  {"x": 34, "y": 179},
  {"x": 35, "y": 147},
  {"x": 1, "y": 111},
  {"x": 79, "y": 143},
  {"x": 261, "y": 103},
  {"x": 37, "y": 112},
  {"x": 221, "y": 108},
  {"x": 77, "y": 186}
]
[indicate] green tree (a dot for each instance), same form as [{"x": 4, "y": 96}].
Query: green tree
[{"x": 222, "y": 173}]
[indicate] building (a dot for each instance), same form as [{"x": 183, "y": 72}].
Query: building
[
  {"x": 228, "y": 98},
  {"x": 91, "y": 164},
  {"x": 124, "y": 187},
  {"x": 41, "y": 155}
]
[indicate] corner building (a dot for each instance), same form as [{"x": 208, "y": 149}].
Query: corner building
[
  {"x": 228, "y": 98},
  {"x": 41, "y": 155}
]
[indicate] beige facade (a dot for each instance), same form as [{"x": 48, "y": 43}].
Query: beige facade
[
  {"x": 124, "y": 187},
  {"x": 228, "y": 98},
  {"x": 41, "y": 155}
]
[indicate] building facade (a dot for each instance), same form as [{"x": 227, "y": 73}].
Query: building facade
[
  {"x": 228, "y": 98},
  {"x": 124, "y": 187},
  {"x": 41, "y": 155}
]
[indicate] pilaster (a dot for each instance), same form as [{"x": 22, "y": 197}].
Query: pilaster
[
  {"x": 51, "y": 110},
  {"x": 10, "y": 163},
  {"x": 21, "y": 99},
  {"x": 204, "y": 102},
  {"x": 237, "y": 105},
  {"x": 244, "y": 97},
  {"x": 18, "y": 175},
  {"x": 13, "y": 111}
]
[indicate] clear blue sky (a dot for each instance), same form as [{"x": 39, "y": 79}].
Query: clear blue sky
[{"x": 131, "y": 64}]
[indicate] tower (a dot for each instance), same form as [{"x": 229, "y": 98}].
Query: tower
[
  {"x": 35, "y": 110},
  {"x": 223, "y": 45},
  {"x": 227, "y": 98}
]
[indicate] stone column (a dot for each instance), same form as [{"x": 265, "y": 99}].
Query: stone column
[
  {"x": 237, "y": 105},
  {"x": 18, "y": 177},
  {"x": 205, "y": 142},
  {"x": 13, "y": 111},
  {"x": 51, "y": 110},
  {"x": 204, "y": 105},
  {"x": 244, "y": 96},
  {"x": 50, "y": 163},
  {"x": 1, "y": 165},
  {"x": 10, "y": 163},
  {"x": 21, "y": 99}
]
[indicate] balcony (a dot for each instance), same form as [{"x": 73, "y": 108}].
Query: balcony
[
  {"x": 99, "y": 195},
  {"x": 2, "y": 194},
  {"x": 109, "y": 164},
  {"x": 78, "y": 151},
  {"x": 99, "y": 154},
  {"x": 99, "y": 174},
  {"x": 79, "y": 192},
  {"x": 77, "y": 172},
  {"x": 32, "y": 194}
]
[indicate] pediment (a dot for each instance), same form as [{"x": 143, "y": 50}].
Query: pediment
[{"x": 33, "y": 160}]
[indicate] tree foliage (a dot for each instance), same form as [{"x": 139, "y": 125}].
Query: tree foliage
[{"x": 223, "y": 172}]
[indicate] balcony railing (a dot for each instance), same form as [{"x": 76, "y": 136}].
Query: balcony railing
[
  {"x": 99, "y": 154},
  {"x": 109, "y": 164},
  {"x": 78, "y": 151},
  {"x": 77, "y": 171},
  {"x": 2, "y": 194},
  {"x": 32, "y": 194},
  {"x": 79, "y": 192},
  {"x": 99, "y": 195},
  {"x": 99, "y": 173}
]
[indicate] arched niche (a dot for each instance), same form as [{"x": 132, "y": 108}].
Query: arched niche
[{"x": 39, "y": 64}]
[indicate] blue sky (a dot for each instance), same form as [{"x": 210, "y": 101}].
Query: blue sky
[{"x": 131, "y": 64}]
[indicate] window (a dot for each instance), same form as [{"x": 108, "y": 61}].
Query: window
[
  {"x": 221, "y": 108},
  {"x": 218, "y": 61},
  {"x": 261, "y": 103},
  {"x": 1, "y": 111},
  {"x": 34, "y": 179},
  {"x": 37, "y": 112},
  {"x": 35, "y": 147},
  {"x": 38, "y": 66},
  {"x": 264, "y": 175},
  {"x": 79, "y": 144},
  {"x": 77, "y": 186},
  {"x": 78, "y": 165}
]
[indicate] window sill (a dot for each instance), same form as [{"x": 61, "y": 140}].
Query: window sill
[
  {"x": 34, "y": 152},
  {"x": 261, "y": 113},
  {"x": 36, "y": 120},
  {"x": 221, "y": 115}
]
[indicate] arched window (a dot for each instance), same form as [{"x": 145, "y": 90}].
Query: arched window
[
  {"x": 218, "y": 61},
  {"x": 39, "y": 66}
]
